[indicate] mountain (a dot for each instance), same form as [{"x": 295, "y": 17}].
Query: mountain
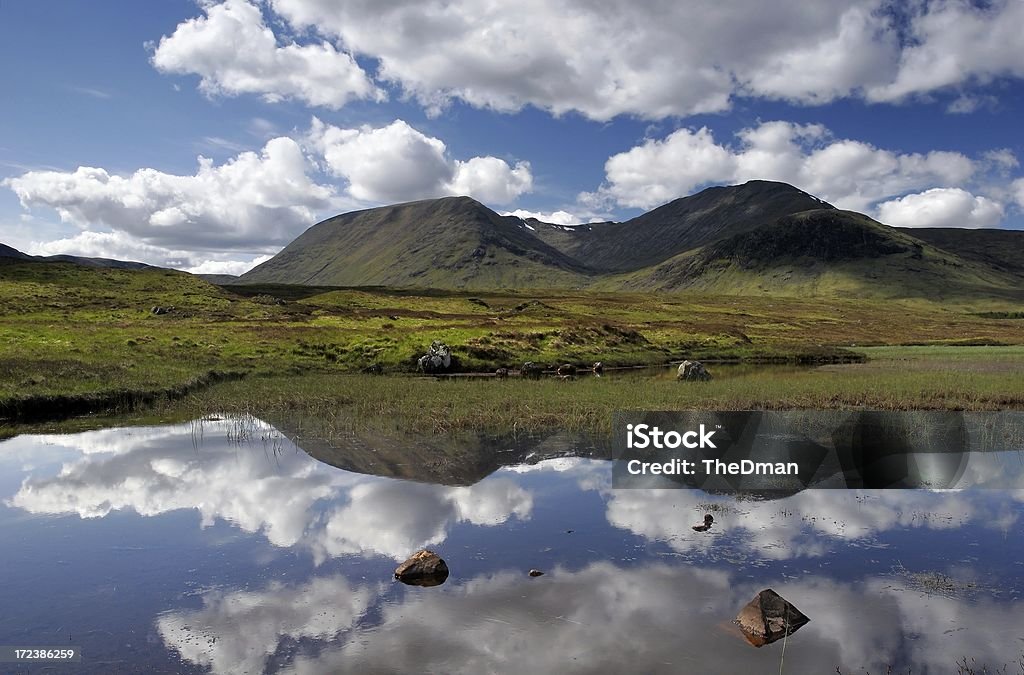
[
  {"x": 825, "y": 252},
  {"x": 681, "y": 225},
  {"x": 1001, "y": 249},
  {"x": 761, "y": 236},
  {"x": 450, "y": 242},
  {"x": 9, "y": 253}
]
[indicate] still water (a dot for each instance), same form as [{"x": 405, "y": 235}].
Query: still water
[{"x": 222, "y": 546}]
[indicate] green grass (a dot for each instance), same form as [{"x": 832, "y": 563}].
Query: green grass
[
  {"x": 69, "y": 332},
  {"x": 896, "y": 379}
]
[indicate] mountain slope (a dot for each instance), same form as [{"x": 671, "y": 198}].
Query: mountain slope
[
  {"x": 454, "y": 242},
  {"x": 823, "y": 252},
  {"x": 681, "y": 225},
  {"x": 1000, "y": 249}
]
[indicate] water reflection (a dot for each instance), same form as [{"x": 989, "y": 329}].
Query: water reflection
[
  {"x": 601, "y": 618},
  {"x": 232, "y": 550}
]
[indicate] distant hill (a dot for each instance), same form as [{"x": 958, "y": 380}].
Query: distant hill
[
  {"x": 9, "y": 253},
  {"x": 681, "y": 225},
  {"x": 454, "y": 242}
]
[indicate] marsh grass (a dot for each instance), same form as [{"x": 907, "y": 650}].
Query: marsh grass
[{"x": 76, "y": 339}]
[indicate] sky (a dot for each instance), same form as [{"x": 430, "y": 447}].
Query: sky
[{"x": 207, "y": 135}]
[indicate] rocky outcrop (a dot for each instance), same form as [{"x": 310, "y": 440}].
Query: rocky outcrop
[
  {"x": 423, "y": 568},
  {"x": 438, "y": 358},
  {"x": 693, "y": 371},
  {"x": 769, "y": 617}
]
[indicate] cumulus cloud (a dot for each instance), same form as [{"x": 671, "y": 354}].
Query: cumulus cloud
[
  {"x": 848, "y": 173},
  {"x": 652, "y": 60},
  {"x": 235, "y": 52},
  {"x": 554, "y": 217},
  {"x": 941, "y": 207},
  {"x": 954, "y": 42},
  {"x": 226, "y": 218},
  {"x": 253, "y": 200},
  {"x": 399, "y": 163}
]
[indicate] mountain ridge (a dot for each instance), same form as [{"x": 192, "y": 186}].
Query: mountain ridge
[{"x": 760, "y": 236}]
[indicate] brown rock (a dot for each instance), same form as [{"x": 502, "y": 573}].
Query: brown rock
[
  {"x": 708, "y": 519},
  {"x": 769, "y": 617},
  {"x": 423, "y": 568}
]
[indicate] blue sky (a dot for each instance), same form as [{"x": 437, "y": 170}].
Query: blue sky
[{"x": 569, "y": 110}]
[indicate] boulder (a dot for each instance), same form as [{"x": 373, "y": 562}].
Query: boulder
[
  {"x": 531, "y": 370},
  {"x": 501, "y": 373},
  {"x": 437, "y": 359},
  {"x": 769, "y": 617},
  {"x": 566, "y": 369},
  {"x": 423, "y": 568},
  {"x": 706, "y": 525},
  {"x": 598, "y": 368},
  {"x": 692, "y": 371}
]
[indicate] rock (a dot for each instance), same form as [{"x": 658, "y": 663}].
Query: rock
[
  {"x": 566, "y": 369},
  {"x": 374, "y": 369},
  {"x": 693, "y": 371},
  {"x": 708, "y": 519},
  {"x": 501, "y": 373},
  {"x": 423, "y": 568},
  {"x": 769, "y": 617},
  {"x": 598, "y": 368},
  {"x": 437, "y": 359},
  {"x": 535, "y": 573},
  {"x": 161, "y": 310},
  {"x": 531, "y": 370}
]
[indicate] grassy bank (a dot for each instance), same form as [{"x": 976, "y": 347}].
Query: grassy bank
[
  {"x": 74, "y": 339},
  {"x": 895, "y": 379}
]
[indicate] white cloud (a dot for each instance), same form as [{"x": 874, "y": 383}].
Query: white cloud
[
  {"x": 235, "y": 267},
  {"x": 491, "y": 180},
  {"x": 954, "y": 42},
  {"x": 1017, "y": 188},
  {"x": 554, "y": 217},
  {"x": 941, "y": 207},
  {"x": 235, "y": 52},
  {"x": 848, "y": 173},
  {"x": 652, "y": 60},
  {"x": 648, "y": 59},
  {"x": 254, "y": 200},
  {"x": 398, "y": 163}
]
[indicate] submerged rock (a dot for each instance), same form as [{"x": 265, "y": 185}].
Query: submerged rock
[
  {"x": 769, "y": 617},
  {"x": 708, "y": 519},
  {"x": 437, "y": 359},
  {"x": 423, "y": 568},
  {"x": 692, "y": 371}
]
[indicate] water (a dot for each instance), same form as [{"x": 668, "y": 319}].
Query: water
[{"x": 224, "y": 547}]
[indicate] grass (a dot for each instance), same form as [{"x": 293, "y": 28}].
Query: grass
[{"x": 75, "y": 338}]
